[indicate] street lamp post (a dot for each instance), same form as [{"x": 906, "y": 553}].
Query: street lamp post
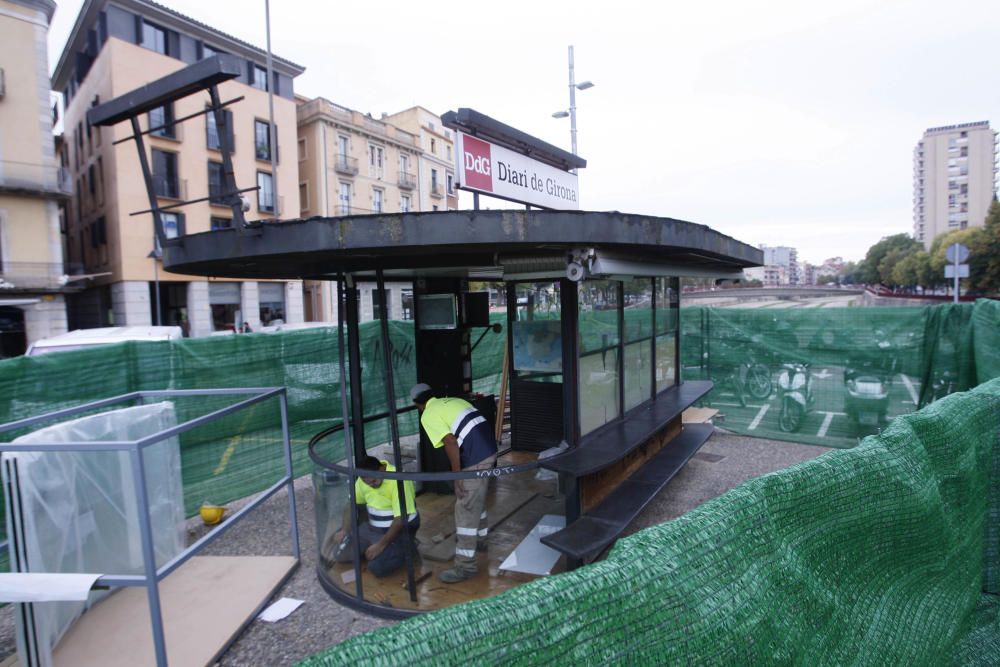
[{"x": 573, "y": 87}]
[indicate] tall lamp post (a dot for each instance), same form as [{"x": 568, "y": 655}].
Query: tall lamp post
[{"x": 573, "y": 87}]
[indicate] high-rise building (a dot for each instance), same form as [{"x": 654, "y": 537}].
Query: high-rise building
[
  {"x": 785, "y": 257},
  {"x": 33, "y": 281},
  {"x": 115, "y": 47},
  {"x": 954, "y": 179},
  {"x": 353, "y": 164}
]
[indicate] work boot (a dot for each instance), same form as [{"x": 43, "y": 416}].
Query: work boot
[{"x": 454, "y": 575}]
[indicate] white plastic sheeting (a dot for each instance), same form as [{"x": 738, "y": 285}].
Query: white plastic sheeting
[{"x": 77, "y": 512}]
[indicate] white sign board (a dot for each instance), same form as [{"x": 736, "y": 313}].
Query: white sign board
[
  {"x": 956, "y": 253},
  {"x": 494, "y": 170},
  {"x": 949, "y": 270}
]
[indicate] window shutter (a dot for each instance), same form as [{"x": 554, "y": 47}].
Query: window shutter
[
  {"x": 181, "y": 224},
  {"x": 138, "y": 30}
]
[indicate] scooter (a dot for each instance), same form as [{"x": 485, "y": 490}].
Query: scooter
[
  {"x": 867, "y": 384},
  {"x": 796, "y": 394}
]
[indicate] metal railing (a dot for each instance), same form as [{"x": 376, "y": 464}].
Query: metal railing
[
  {"x": 407, "y": 181},
  {"x": 346, "y": 165},
  {"x": 435, "y": 190}
]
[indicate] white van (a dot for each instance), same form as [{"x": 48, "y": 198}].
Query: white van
[{"x": 82, "y": 338}]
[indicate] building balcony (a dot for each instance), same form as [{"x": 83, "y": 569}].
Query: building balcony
[
  {"x": 346, "y": 165},
  {"x": 36, "y": 276},
  {"x": 35, "y": 180},
  {"x": 436, "y": 191},
  {"x": 407, "y": 181}
]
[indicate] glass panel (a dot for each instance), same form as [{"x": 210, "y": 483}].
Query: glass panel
[
  {"x": 537, "y": 332},
  {"x": 598, "y": 353},
  {"x": 638, "y": 373},
  {"x": 638, "y": 310},
  {"x": 666, "y": 296},
  {"x": 666, "y": 346}
]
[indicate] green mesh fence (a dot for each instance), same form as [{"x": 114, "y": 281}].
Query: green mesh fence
[
  {"x": 866, "y": 365},
  {"x": 873, "y": 555},
  {"x": 929, "y": 353}
]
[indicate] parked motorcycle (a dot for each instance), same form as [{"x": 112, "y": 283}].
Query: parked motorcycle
[
  {"x": 867, "y": 382},
  {"x": 795, "y": 392}
]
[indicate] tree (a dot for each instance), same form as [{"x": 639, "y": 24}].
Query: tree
[
  {"x": 988, "y": 250},
  {"x": 913, "y": 270},
  {"x": 870, "y": 268},
  {"x": 972, "y": 238}
]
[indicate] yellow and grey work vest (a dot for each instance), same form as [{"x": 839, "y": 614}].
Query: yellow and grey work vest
[
  {"x": 383, "y": 502},
  {"x": 442, "y": 416}
]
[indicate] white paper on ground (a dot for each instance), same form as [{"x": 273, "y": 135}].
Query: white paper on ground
[
  {"x": 45, "y": 587},
  {"x": 280, "y": 610},
  {"x": 531, "y": 556}
]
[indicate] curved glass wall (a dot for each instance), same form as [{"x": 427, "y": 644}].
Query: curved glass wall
[{"x": 524, "y": 503}]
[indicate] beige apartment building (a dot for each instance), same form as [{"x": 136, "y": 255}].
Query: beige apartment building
[
  {"x": 119, "y": 45},
  {"x": 353, "y": 164},
  {"x": 33, "y": 283},
  {"x": 954, "y": 179}
]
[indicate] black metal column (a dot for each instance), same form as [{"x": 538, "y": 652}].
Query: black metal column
[
  {"x": 570, "y": 318},
  {"x": 620, "y": 370},
  {"x": 675, "y": 313},
  {"x": 158, "y": 233},
  {"x": 390, "y": 399},
  {"x": 231, "y": 198},
  {"x": 354, "y": 359},
  {"x": 652, "y": 343},
  {"x": 347, "y": 421}
]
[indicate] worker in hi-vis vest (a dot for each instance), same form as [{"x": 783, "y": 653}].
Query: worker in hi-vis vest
[
  {"x": 381, "y": 538},
  {"x": 469, "y": 444}
]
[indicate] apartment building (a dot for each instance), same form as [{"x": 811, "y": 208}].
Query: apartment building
[
  {"x": 353, "y": 164},
  {"x": 113, "y": 48},
  {"x": 785, "y": 257},
  {"x": 33, "y": 281},
  {"x": 954, "y": 179},
  {"x": 436, "y": 167}
]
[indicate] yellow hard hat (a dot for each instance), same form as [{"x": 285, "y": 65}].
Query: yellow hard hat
[{"x": 211, "y": 514}]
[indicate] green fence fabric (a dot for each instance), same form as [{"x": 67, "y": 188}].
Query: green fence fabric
[
  {"x": 912, "y": 355},
  {"x": 873, "y": 555},
  {"x": 932, "y": 351}
]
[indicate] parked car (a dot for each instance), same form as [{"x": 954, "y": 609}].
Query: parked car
[{"x": 83, "y": 338}]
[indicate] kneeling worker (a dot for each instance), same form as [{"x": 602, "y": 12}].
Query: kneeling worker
[
  {"x": 469, "y": 444},
  {"x": 383, "y": 543}
]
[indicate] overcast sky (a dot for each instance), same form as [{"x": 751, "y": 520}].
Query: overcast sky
[{"x": 776, "y": 122}]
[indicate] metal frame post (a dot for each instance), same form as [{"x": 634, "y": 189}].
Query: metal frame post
[
  {"x": 652, "y": 342},
  {"x": 675, "y": 285},
  {"x": 390, "y": 398},
  {"x": 569, "y": 303},
  {"x": 620, "y": 366},
  {"x": 348, "y": 421},
  {"x": 159, "y": 236},
  {"x": 228, "y": 175},
  {"x": 149, "y": 557},
  {"x": 354, "y": 365},
  {"x": 286, "y": 441}
]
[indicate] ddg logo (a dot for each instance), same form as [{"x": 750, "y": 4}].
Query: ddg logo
[{"x": 477, "y": 163}]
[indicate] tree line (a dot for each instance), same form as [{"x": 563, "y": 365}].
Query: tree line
[{"x": 900, "y": 262}]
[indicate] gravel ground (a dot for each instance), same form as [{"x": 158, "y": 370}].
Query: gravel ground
[{"x": 723, "y": 462}]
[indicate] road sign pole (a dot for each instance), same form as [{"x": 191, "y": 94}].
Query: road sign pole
[{"x": 956, "y": 278}]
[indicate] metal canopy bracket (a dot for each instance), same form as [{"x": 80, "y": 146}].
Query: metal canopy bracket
[{"x": 206, "y": 74}]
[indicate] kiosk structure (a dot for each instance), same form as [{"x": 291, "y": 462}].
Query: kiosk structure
[
  {"x": 588, "y": 302},
  {"x": 593, "y": 366}
]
